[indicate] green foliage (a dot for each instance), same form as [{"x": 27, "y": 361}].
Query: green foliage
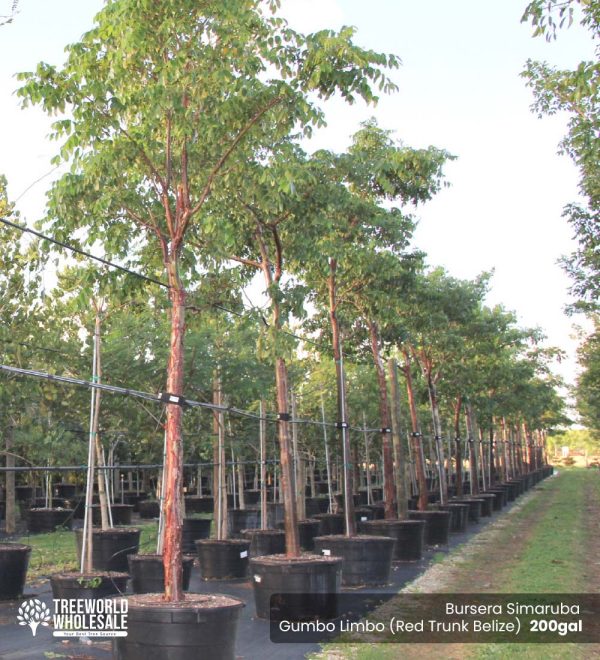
[
  {"x": 587, "y": 390},
  {"x": 575, "y": 92}
]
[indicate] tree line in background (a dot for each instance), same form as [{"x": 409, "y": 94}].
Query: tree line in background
[{"x": 576, "y": 93}]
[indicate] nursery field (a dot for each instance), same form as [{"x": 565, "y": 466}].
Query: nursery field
[{"x": 545, "y": 541}]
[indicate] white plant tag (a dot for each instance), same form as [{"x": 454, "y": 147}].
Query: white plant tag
[
  {"x": 327, "y": 552},
  {"x": 363, "y": 518},
  {"x": 244, "y": 554},
  {"x": 257, "y": 578}
]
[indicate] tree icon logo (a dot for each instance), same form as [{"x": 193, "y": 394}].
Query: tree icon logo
[{"x": 33, "y": 612}]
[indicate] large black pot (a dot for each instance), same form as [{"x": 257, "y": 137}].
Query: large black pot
[
  {"x": 68, "y": 491},
  {"x": 459, "y": 516},
  {"x": 194, "y": 529},
  {"x": 111, "y": 547},
  {"x": 475, "y": 506},
  {"x": 366, "y": 560},
  {"x": 409, "y": 536},
  {"x": 199, "y": 504},
  {"x": 251, "y": 497},
  {"x": 14, "y": 560},
  {"x": 202, "y": 626},
  {"x": 487, "y": 503},
  {"x": 149, "y": 509},
  {"x": 148, "y": 574},
  {"x": 437, "y": 527},
  {"x": 121, "y": 514},
  {"x": 88, "y": 586},
  {"x": 240, "y": 519},
  {"x": 275, "y": 513},
  {"x": 330, "y": 523},
  {"x": 47, "y": 520},
  {"x": 316, "y": 505},
  {"x": 223, "y": 560},
  {"x": 306, "y": 587},
  {"x": 501, "y": 498},
  {"x": 265, "y": 541}
]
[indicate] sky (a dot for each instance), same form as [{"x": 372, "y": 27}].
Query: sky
[{"x": 459, "y": 89}]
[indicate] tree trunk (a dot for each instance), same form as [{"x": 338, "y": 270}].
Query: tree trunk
[
  {"x": 473, "y": 450},
  {"x": 415, "y": 435},
  {"x": 399, "y": 450},
  {"x": 384, "y": 415},
  {"x": 299, "y": 479},
  {"x": 172, "y": 555},
  {"x": 457, "y": 439},
  {"x": 437, "y": 430},
  {"x": 286, "y": 480},
  {"x": 348, "y": 489}
]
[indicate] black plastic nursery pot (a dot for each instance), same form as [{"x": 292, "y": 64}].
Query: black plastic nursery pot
[
  {"x": 149, "y": 509},
  {"x": 316, "y": 505},
  {"x": 148, "y": 574},
  {"x": 366, "y": 560},
  {"x": 409, "y": 536},
  {"x": 251, "y": 497},
  {"x": 275, "y": 513},
  {"x": 330, "y": 523},
  {"x": 487, "y": 503},
  {"x": 121, "y": 514},
  {"x": 378, "y": 511},
  {"x": 88, "y": 585},
  {"x": 67, "y": 491},
  {"x": 194, "y": 529},
  {"x": 377, "y": 494},
  {"x": 459, "y": 516},
  {"x": 362, "y": 514},
  {"x": 223, "y": 560},
  {"x": 199, "y": 504},
  {"x": 201, "y": 626},
  {"x": 14, "y": 560},
  {"x": 304, "y": 587},
  {"x": 47, "y": 520},
  {"x": 501, "y": 499},
  {"x": 111, "y": 547},
  {"x": 27, "y": 493},
  {"x": 265, "y": 541},
  {"x": 437, "y": 527},
  {"x": 339, "y": 498},
  {"x": 134, "y": 499},
  {"x": 307, "y": 530},
  {"x": 475, "y": 506},
  {"x": 240, "y": 519}
]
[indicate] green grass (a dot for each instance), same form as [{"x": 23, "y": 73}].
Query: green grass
[{"x": 55, "y": 552}]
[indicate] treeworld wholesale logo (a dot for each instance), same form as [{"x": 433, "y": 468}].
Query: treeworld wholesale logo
[{"x": 77, "y": 617}]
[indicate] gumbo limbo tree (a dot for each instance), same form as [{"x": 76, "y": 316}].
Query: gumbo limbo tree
[{"x": 157, "y": 102}]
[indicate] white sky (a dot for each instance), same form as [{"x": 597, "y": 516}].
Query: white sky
[{"x": 460, "y": 90}]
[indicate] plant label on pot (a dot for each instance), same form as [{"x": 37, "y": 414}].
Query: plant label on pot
[
  {"x": 243, "y": 554},
  {"x": 327, "y": 553},
  {"x": 363, "y": 518},
  {"x": 257, "y": 578}
]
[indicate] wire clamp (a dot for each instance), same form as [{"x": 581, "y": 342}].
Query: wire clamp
[
  {"x": 385, "y": 429},
  {"x": 176, "y": 399},
  {"x": 342, "y": 425},
  {"x": 284, "y": 417}
]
